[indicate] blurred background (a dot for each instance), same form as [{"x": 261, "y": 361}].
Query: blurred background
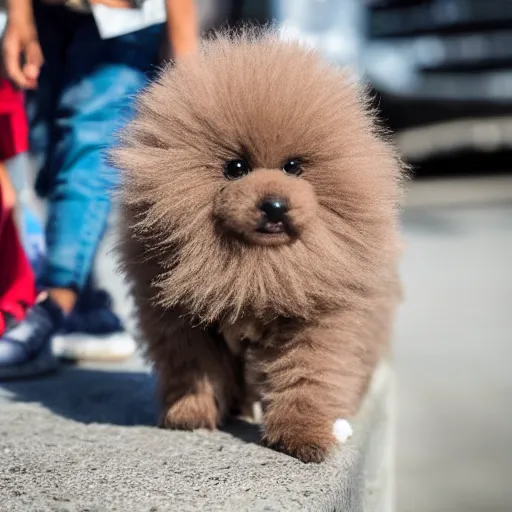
[{"x": 441, "y": 75}]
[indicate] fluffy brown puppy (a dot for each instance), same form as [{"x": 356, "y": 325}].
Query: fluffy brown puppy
[{"x": 260, "y": 236}]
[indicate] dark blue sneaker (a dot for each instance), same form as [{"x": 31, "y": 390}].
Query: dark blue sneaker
[
  {"x": 93, "y": 332},
  {"x": 25, "y": 347},
  {"x": 93, "y": 314}
]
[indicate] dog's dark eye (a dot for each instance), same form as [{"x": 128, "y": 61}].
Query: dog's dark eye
[
  {"x": 236, "y": 169},
  {"x": 293, "y": 167}
]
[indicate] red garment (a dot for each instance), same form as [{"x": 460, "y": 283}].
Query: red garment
[
  {"x": 17, "y": 282},
  {"x": 13, "y": 121}
]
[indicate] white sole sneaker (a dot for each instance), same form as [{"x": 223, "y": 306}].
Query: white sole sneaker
[{"x": 86, "y": 347}]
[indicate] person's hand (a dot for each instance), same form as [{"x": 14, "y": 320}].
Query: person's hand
[
  {"x": 22, "y": 55},
  {"x": 116, "y": 4}
]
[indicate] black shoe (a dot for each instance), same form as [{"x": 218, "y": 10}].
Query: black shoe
[{"x": 26, "y": 347}]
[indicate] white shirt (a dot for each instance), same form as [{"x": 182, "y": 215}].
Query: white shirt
[{"x": 116, "y": 22}]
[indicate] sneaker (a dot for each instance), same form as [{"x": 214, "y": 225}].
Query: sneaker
[
  {"x": 6, "y": 321},
  {"x": 25, "y": 347},
  {"x": 93, "y": 332}
]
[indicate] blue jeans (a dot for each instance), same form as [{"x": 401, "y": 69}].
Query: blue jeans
[{"x": 84, "y": 94}]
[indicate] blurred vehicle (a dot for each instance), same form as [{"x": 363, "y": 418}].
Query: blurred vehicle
[{"x": 443, "y": 71}]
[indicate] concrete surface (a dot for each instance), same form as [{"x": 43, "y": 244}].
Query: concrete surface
[
  {"x": 85, "y": 441},
  {"x": 82, "y": 441}
]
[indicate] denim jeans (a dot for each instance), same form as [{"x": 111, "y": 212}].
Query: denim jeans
[{"x": 83, "y": 97}]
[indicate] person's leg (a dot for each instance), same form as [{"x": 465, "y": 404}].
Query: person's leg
[
  {"x": 7, "y": 192},
  {"x": 98, "y": 81},
  {"x": 40, "y": 107},
  {"x": 93, "y": 330},
  {"x": 100, "y": 104},
  {"x": 24, "y": 347},
  {"x": 17, "y": 282}
]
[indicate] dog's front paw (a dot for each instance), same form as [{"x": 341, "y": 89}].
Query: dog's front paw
[
  {"x": 190, "y": 412},
  {"x": 306, "y": 444},
  {"x": 306, "y": 452}
]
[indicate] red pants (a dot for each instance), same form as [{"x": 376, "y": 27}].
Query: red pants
[{"x": 17, "y": 282}]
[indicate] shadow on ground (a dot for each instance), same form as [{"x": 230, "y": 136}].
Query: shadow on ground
[{"x": 122, "y": 398}]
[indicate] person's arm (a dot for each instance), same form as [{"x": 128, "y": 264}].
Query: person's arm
[
  {"x": 19, "y": 43},
  {"x": 182, "y": 27},
  {"x": 115, "y": 4},
  {"x": 19, "y": 9}
]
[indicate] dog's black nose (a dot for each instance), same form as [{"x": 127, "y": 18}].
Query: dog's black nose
[{"x": 274, "y": 208}]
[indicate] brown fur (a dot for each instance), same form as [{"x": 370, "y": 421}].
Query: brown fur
[{"x": 304, "y": 315}]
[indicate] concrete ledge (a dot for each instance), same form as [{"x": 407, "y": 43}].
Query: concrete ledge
[{"x": 82, "y": 441}]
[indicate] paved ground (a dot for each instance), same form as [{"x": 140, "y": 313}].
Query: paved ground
[
  {"x": 453, "y": 356},
  {"x": 454, "y": 350}
]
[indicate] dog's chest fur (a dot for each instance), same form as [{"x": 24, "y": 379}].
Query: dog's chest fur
[{"x": 243, "y": 331}]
